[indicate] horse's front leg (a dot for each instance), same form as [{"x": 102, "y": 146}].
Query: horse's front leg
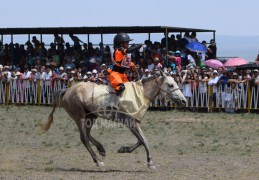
[
  {"x": 89, "y": 123},
  {"x": 136, "y": 128},
  {"x": 124, "y": 149}
]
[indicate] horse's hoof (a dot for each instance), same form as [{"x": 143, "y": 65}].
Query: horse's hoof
[
  {"x": 121, "y": 150},
  {"x": 151, "y": 166},
  {"x": 102, "y": 153},
  {"x": 100, "y": 164}
]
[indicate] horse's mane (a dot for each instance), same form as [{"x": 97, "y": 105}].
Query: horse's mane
[{"x": 147, "y": 79}]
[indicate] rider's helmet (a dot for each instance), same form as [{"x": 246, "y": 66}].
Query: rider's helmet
[{"x": 120, "y": 38}]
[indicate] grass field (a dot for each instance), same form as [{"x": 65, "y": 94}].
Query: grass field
[{"x": 184, "y": 145}]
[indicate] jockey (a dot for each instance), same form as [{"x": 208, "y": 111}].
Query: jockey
[{"x": 122, "y": 57}]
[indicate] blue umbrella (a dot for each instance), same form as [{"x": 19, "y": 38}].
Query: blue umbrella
[{"x": 196, "y": 47}]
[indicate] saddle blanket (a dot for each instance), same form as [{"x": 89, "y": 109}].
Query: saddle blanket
[{"x": 131, "y": 102}]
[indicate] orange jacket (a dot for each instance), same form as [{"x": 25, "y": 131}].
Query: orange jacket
[{"x": 120, "y": 55}]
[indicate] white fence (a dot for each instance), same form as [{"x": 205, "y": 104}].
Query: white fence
[{"x": 242, "y": 96}]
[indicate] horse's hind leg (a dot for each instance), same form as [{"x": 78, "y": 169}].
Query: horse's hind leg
[
  {"x": 85, "y": 140},
  {"x": 89, "y": 123}
]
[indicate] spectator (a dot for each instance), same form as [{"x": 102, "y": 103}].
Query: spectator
[
  {"x": 256, "y": 77},
  {"x": 150, "y": 65},
  {"x": 69, "y": 63},
  {"x": 72, "y": 78},
  {"x": 203, "y": 54},
  {"x": 103, "y": 68},
  {"x": 76, "y": 41},
  {"x": 171, "y": 61},
  {"x": 163, "y": 40},
  {"x": 59, "y": 41},
  {"x": 191, "y": 60},
  {"x": 220, "y": 71},
  {"x": 48, "y": 74},
  {"x": 35, "y": 41},
  {"x": 230, "y": 100},
  {"x": 257, "y": 59},
  {"x": 222, "y": 84},
  {"x": 157, "y": 65},
  {"x": 213, "y": 82},
  {"x": 94, "y": 76},
  {"x": 146, "y": 74},
  {"x": 63, "y": 74},
  {"x": 212, "y": 50},
  {"x": 203, "y": 80},
  {"x": 187, "y": 37},
  {"x": 6, "y": 69},
  {"x": 68, "y": 49},
  {"x": 178, "y": 59},
  {"x": 172, "y": 43},
  {"x": 193, "y": 37},
  {"x": 233, "y": 78},
  {"x": 187, "y": 91},
  {"x": 223, "y": 80},
  {"x": 88, "y": 76},
  {"x": 33, "y": 76}
]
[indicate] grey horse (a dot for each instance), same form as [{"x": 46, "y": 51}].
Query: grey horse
[{"x": 79, "y": 104}]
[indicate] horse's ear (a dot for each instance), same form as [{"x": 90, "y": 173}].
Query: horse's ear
[
  {"x": 157, "y": 73},
  {"x": 162, "y": 73}
]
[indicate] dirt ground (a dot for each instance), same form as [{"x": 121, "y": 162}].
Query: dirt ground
[{"x": 184, "y": 145}]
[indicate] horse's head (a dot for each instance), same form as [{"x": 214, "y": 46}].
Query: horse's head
[
  {"x": 165, "y": 86},
  {"x": 170, "y": 89}
]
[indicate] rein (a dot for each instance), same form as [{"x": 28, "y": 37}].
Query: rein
[{"x": 167, "y": 93}]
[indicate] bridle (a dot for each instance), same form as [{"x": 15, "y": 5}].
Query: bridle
[{"x": 167, "y": 93}]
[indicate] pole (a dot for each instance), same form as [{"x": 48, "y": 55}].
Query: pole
[{"x": 166, "y": 44}]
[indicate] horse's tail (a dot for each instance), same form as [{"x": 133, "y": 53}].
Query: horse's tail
[{"x": 57, "y": 102}]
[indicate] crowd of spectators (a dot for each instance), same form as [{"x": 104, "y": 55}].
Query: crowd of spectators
[
  {"x": 82, "y": 57},
  {"x": 84, "y": 62}
]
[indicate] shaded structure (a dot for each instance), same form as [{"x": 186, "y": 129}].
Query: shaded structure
[{"x": 99, "y": 30}]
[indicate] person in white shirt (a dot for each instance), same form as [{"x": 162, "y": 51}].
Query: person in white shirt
[
  {"x": 191, "y": 61},
  {"x": 47, "y": 83},
  {"x": 213, "y": 82},
  {"x": 7, "y": 70},
  {"x": 48, "y": 74},
  {"x": 150, "y": 65},
  {"x": 157, "y": 65},
  {"x": 26, "y": 83},
  {"x": 146, "y": 74}
]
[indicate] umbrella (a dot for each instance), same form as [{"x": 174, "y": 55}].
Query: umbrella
[
  {"x": 196, "y": 47},
  {"x": 214, "y": 63},
  {"x": 248, "y": 66},
  {"x": 233, "y": 62}
]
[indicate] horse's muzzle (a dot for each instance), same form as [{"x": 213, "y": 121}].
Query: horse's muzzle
[{"x": 181, "y": 103}]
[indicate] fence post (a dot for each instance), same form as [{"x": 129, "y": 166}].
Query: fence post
[
  {"x": 38, "y": 92},
  {"x": 248, "y": 97},
  {"x": 7, "y": 93},
  {"x": 210, "y": 99}
]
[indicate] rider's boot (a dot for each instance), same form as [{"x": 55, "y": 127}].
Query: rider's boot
[{"x": 119, "y": 89}]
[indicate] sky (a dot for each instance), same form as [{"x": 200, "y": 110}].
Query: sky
[{"x": 227, "y": 17}]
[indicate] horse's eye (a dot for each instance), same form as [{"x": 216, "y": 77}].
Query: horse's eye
[{"x": 171, "y": 85}]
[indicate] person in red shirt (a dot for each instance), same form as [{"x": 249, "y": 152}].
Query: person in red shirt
[{"x": 122, "y": 57}]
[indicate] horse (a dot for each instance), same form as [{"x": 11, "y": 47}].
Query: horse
[{"x": 79, "y": 104}]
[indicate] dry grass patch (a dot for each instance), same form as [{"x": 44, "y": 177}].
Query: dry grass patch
[{"x": 184, "y": 145}]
